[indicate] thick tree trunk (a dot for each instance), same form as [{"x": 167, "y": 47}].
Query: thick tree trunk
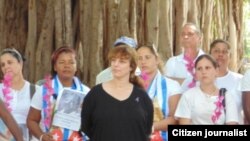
[
  {"x": 31, "y": 42},
  {"x": 218, "y": 21},
  {"x": 232, "y": 38},
  {"x": 45, "y": 44},
  {"x": 206, "y": 24},
  {"x": 63, "y": 23},
  {"x": 91, "y": 27},
  {"x": 141, "y": 24},
  {"x": 3, "y": 40},
  {"x": 95, "y": 41},
  {"x": 181, "y": 10},
  {"x": 152, "y": 20},
  {"x": 193, "y": 12},
  {"x": 13, "y": 24},
  {"x": 165, "y": 45}
]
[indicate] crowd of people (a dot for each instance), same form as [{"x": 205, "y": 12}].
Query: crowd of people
[{"x": 134, "y": 99}]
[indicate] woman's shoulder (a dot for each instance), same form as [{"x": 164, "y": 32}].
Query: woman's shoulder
[
  {"x": 86, "y": 89},
  {"x": 139, "y": 90},
  {"x": 191, "y": 92},
  {"x": 96, "y": 88},
  {"x": 172, "y": 83},
  {"x": 95, "y": 92}
]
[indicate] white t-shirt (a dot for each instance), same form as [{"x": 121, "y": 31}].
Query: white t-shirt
[
  {"x": 20, "y": 105},
  {"x": 198, "y": 107},
  {"x": 245, "y": 83},
  {"x": 176, "y": 67},
  {"x": 231, "y": 82},
  {"x": 20, "y": 102}
]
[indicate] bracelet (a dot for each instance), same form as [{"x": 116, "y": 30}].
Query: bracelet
[{"x": 41, "y": 137}]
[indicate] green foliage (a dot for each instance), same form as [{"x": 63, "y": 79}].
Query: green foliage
[
  {"x": 247, "y": 52},
  {"x": 246, "y": 18}
]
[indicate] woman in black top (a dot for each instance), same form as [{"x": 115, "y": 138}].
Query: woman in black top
[{"x": 120, "y": 109}]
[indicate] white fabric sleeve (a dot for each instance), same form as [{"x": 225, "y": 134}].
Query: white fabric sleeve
[
  {"x": 245, "y": 82},
  {"x": 169, "y": 67},
  {"x": 231, "y": 109},
  {"x": 37, "y": 99},
  {"x": 183, "y": 109},
  {"x": 173, "y": 86}
]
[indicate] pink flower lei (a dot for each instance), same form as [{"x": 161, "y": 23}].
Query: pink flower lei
[
  {"x": 218, "y": 110},
  {"x": 6, "y": 90},
  {"x": 190, "y": 69},
  {"x": 48, "y": 106}
]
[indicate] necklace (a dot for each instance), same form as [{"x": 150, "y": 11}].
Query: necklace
[{"x": 210, "y": 94}]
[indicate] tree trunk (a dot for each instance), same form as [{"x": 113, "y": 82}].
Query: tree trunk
[
  {"x": 232, "y": 38},
  {"x": 31, "y": 42},
  {"x": 165, "y": 45},
  {"x": 152, "y": 21},
  {"x": 181, "y": 9},
  {"x": 206, "y": 25},
  {"x": 63, "y": 23},
  {"x": 37, "y": 28},
  {"x": 45, "y": 44}
]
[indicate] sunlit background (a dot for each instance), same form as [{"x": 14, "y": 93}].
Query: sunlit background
[{"x": 246, "y": 13}]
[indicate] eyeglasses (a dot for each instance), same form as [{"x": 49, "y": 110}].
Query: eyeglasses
[{"x": 189, "y": 34}]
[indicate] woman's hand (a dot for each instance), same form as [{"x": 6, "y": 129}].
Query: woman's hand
[{"x": 46, "y": 137}]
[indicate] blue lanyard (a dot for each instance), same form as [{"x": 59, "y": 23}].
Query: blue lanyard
[
  {"x": 164, "y": 108},
  {"x": 164, "y": 94},
  {"x": 164, "y": 104}
]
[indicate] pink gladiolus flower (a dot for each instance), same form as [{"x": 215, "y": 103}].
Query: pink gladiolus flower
[
  {"x": 6, "y": 90},
  {"x": 47, "y": 96},
  {"x": 218, "y": 110}
]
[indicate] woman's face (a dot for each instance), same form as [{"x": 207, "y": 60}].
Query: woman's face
[
  {"x": 65, "y": 65},
  {"x": 147, "y": 61},
  {"x": 9, "y": 64},
  {"x": 120, "y": 67},
  {"x": 205, "y": 72},
  {"x": 221, "y": 54}
]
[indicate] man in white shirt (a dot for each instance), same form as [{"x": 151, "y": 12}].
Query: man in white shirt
[
  {"x": 220, "y": 50},
  {"x": 245, "y": 88},
  {"x": 106, "y": 74},
  {"x": 181, "y": 67}
]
